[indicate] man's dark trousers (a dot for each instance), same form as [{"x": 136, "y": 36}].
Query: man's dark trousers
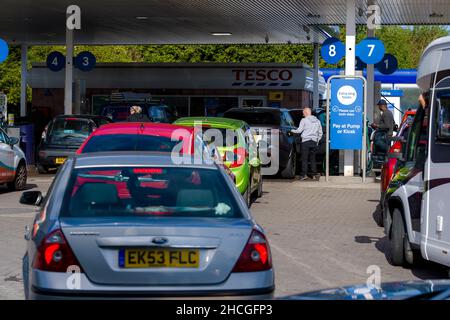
[{"x": 309, "y": 149}]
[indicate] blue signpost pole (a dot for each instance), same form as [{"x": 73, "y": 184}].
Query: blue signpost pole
[{"x": 347, "y": 103}]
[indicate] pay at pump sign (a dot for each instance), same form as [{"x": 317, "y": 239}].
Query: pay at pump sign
[{"x": 346, "y": 114}]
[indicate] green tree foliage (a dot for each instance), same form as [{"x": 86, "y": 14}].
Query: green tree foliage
[{"x": 405, "y": 43}]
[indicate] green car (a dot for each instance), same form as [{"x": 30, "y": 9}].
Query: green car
[{"x": 239, "y": 151}]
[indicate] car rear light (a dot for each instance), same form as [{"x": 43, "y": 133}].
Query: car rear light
[
  {"x": 237, "y": 157},
  {"x": 256, "y": 254},
  {"x": 397, "y": 147},
  {"x": 54, "y": 254},
  {"x": 148, "y": 170}
]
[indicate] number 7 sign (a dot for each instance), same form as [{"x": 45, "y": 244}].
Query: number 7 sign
[{"x": 370, "y": 50}]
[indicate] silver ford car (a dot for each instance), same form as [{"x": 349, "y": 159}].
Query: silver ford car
[{"x": 137, "y": 225}]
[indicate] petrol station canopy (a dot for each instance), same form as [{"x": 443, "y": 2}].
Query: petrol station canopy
[{"x": 201, "y": 21}]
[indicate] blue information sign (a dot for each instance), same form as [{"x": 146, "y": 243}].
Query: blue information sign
[
  {"x": 388, "y": 64},
  {"x": 56, "y": 61},
  {"x": 85, "y": 61},
  {"x": 346, "y": 114},
  {"x": 4, "y": 51},
  {"x": 332, "y": 51},
  {"x": 370, "y": 50}
]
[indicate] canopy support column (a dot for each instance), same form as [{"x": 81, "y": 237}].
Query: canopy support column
[
  {"x": 350, "y": 43},
  {"x": 68, "y": 94},
  {"x": 316, "y": 77},
  {"x": 23, "y": 79}
]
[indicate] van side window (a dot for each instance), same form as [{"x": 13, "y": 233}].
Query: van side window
[
  {"x": 414, "y": 135},
  {"x": 443, "y": 120}
]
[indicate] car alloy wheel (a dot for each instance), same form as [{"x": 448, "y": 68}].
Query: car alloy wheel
[{"x": 20, "y": 180}]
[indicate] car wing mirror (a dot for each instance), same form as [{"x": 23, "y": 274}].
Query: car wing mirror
[
  {"x": 13, "y": 141},
  {"x": 33, "y": 198},
  {"x": 396, "y": 155}
]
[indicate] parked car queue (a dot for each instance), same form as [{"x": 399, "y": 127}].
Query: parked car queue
[
  {"x": 132, "y": 204},
  {"x": 156, "y": 193}
]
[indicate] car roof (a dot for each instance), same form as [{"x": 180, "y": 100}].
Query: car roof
[
  {"x": 137, "y": 158},
  {"x": 213, "y": 121},
  {"x": 256, "y": 109},
  {"x": 145, "y": 128},
  {"x": 79, "y": 116}
]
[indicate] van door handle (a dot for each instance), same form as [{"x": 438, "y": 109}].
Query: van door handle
[{"x": 27, "y": 234}]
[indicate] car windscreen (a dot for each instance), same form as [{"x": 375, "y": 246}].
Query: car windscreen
[
  {"x": 69, "y": 131},
  {"x": 118, "y": 113},
  {"x": 221, "y": 137},
  {"x": 157, "y": 114},
  {"x": 130, "y": 142},
  {"x": 148, "y": 192},
  {"x": 255, "y": 118}
]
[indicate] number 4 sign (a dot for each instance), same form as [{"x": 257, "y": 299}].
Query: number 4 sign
[
  {"x": 85, "y": 61},
  {"x": 56, "y": 61}
]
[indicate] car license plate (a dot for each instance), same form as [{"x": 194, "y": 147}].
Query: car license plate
[
  {"x": 60, "y": 160},
  {"x": 159, "y": 258}
]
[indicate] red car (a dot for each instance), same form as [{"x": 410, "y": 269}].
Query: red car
[
  {"x": 135, "y": 136},
  {"x": 147, "y": 136},
  {"x": 388, "y": 169}
]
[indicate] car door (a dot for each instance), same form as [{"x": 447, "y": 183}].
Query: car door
[
  {"x": 287, "y": 124},
  {"x": 6, "y": 159},
  {"x": 255, "y": 164}
]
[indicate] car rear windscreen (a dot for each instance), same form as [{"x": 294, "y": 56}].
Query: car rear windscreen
[
  {"x": 69, "y": 131},
  {"x": 255, "y": 118},
  {"x": 117, "y": 113},
  {"x": 149, "y": 192},
  {"x": 130, "y": 142}
]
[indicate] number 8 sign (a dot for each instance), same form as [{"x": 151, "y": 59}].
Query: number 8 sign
[{"x": 332, "y": 51}]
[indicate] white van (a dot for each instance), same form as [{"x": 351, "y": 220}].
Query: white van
[
  {"x": 13, "y": 167},
  {"x": 417, "y": 205}
]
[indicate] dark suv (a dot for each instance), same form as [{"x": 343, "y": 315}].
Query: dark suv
[
  {"x": 119, "y": 111},
  {"x": 262, "y": 120},
  {"x": 63, "y": 136}
]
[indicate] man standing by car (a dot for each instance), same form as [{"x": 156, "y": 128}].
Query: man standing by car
[
  {"x": 136, "y": 115},
  {"x": 386, "y": 120},
  {"x": 310, "y": 130}
]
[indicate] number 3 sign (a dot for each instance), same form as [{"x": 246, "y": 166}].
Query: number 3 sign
[
  {"x": 85, "y": 61},
  {"x": 332, "y": 51}
]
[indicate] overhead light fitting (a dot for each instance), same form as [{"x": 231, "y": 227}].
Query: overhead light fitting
[
  {"x": 221, "y": 34},
  {"x": 312, "y": 15},
  {"x": 436, "y": 15}
]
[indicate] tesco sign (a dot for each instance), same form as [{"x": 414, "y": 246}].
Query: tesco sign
[{"x": 262, "y": 74}]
